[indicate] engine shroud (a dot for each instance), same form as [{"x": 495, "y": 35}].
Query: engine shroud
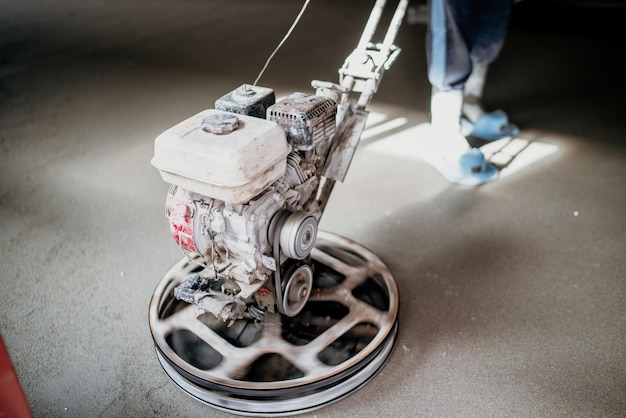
[{"x": 243, "y": 201}]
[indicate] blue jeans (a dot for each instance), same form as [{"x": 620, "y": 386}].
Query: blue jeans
[{"x": 462, "y": 31}]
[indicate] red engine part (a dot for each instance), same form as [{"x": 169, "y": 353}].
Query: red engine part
[{"x": 180, "y": 211}]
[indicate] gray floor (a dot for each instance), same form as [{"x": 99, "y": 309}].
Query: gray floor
[{"x": 512, "y": 294}]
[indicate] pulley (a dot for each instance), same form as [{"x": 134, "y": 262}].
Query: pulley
[
  {"x": 297, "y": 284},
  {"x": 293, "y": 234},
  {"x": 297, "y": 234}
]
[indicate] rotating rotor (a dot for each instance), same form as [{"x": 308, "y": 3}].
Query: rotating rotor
[{"x": 284, "y": 365}]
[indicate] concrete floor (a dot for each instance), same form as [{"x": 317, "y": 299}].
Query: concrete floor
[{"x": 512, "y": 294}]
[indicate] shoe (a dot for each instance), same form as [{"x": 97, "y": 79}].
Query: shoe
[
  {"x": 489, "y": 127},
  {"x": 469, "y": 169}
]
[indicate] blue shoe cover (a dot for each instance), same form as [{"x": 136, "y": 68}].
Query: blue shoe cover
[
  {"x": 490, "y": 127},
  {"x": 471, "y": 169}
]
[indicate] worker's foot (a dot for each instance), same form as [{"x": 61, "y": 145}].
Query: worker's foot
[
  {"x": 449, "y": 154},
  {"x": 486, "y": 126},
  {"x": 468, "y": 169}
]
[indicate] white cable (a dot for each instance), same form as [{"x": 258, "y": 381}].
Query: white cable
[{"x": 295, "y": 22}]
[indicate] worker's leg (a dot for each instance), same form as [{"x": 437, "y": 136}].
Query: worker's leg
[
  {"x": 447, "y": 52},
  {"x": 490, "y": 20},
  {"x": 449, "y": 66}
]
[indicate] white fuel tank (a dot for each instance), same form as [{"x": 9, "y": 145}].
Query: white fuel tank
[{"x": 222, "y": 155}]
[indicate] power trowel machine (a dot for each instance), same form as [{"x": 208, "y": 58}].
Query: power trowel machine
[{"x": 266, "y": 315}]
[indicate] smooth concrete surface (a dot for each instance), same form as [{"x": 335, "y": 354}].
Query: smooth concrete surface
[{"x": 512, "y": 293}]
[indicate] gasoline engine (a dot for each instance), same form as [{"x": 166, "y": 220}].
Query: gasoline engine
[{"x": 244, "y": 202}]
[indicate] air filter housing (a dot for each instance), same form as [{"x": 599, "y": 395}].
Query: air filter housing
[{"x": 247, "y": 100}]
